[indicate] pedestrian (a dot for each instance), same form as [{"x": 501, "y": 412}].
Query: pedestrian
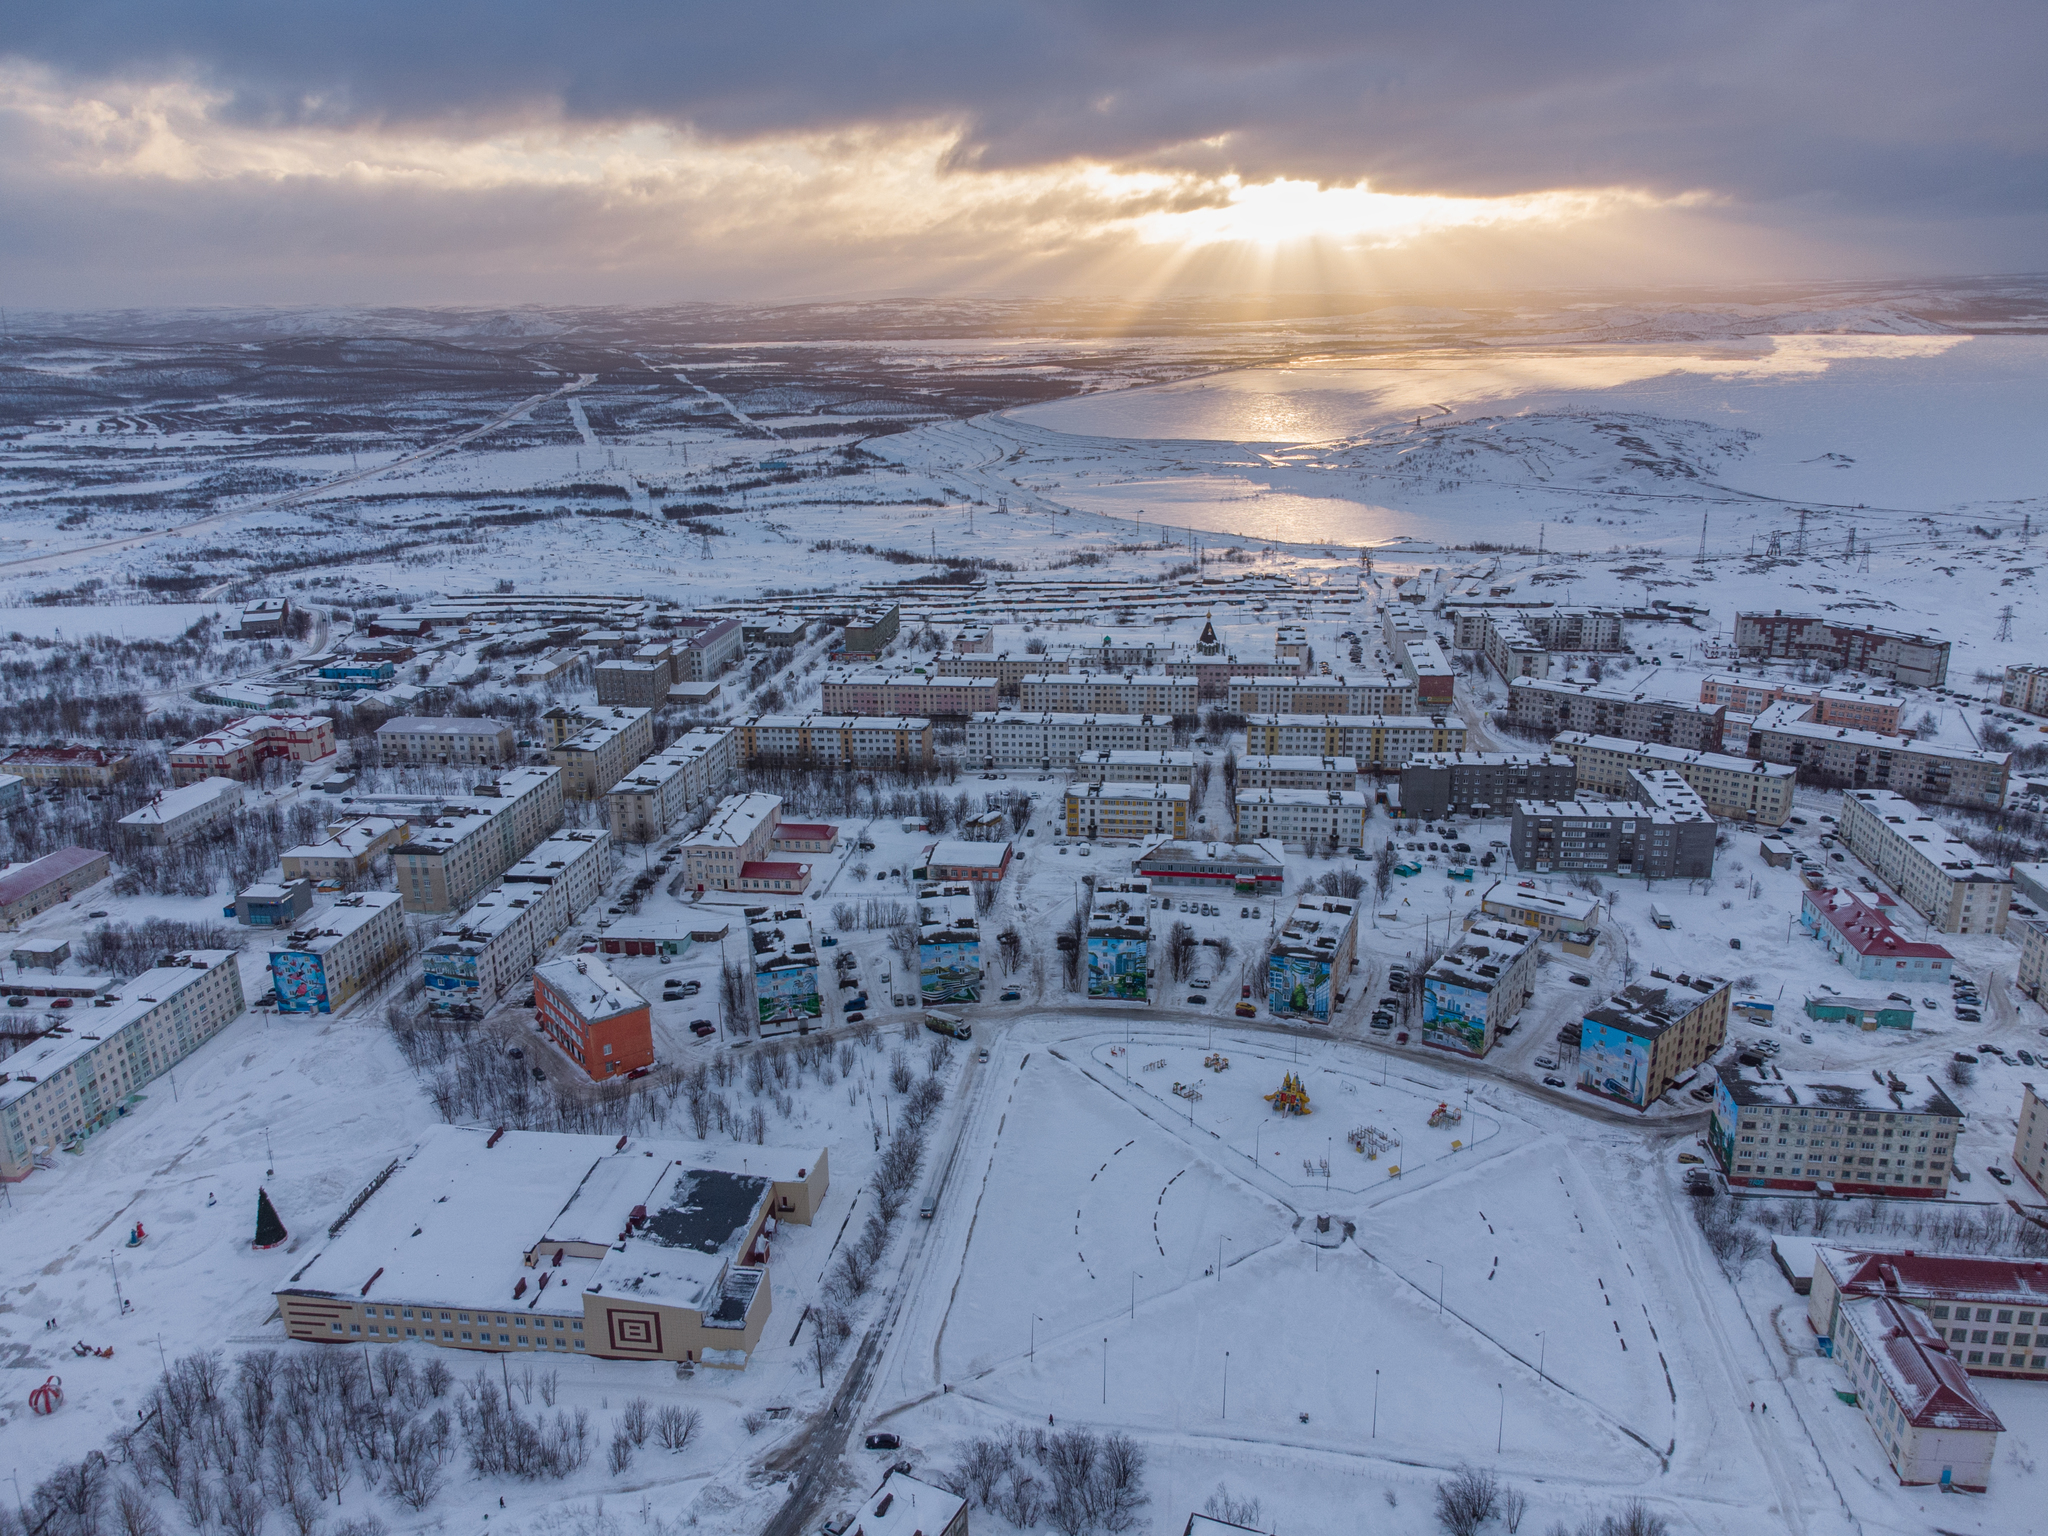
[
  {"x": 1048, "y": 1419},
  {"x": 1752, "y": 1405}
]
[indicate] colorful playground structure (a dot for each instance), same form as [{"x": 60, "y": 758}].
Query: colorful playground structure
[
  {"x": 1443, "y": 1114},
  {"x": 1290, "y": 1098}
]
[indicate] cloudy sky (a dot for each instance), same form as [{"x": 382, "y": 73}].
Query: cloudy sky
[{"x": 223, "y": 151}]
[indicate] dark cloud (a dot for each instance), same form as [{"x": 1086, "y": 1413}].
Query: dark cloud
[{"x": 1861, "y": 106}]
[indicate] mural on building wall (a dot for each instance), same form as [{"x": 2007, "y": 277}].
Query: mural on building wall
[
  {"x": 1298, "y": 984},
  {"x": 950, "y": 972},
  {"x": 1116, "y": 968},
  {"x": 449, "y": 971},
  {"x": 1613, "y": 1062},
  {"x": 787, "y": 994},
  {"x": 300, "y": 981},
  {"x": 1453, "y": 1016}
]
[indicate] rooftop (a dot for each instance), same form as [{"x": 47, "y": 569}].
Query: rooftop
[
  {"x": 167, "y": 805},
  {"x": 586, "y": 984},
  {"x": 1931, "y": 1389},
  {"x": 1942, "y": 1276},
  {"x": 1865, "y": 928},
  {"x": 1646, "y": 1012},
  {"x": 21, "y": 880},
  {"x": 735, "y": 820},
  {"x": 1657, "y": 752},
  {"x": 904, "y": 1506},
  {"x": 1788, "y": 718},
  {"x": 326, "y": 929},
  {"x": 1579, "y": 910},
  {"x": 34, "y": 1062},
  {"x": 442, "y": 725},
  {"x": 1806, "y": 1090}
]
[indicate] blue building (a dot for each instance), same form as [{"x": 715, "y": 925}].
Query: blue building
[{"x": 356, "y": 676}]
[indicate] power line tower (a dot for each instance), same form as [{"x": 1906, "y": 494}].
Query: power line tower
[
  {"x": 2005, "y": 622},
  {"x": 1701, "y": 557},
  {"x": 1777, "y": 544},
  {"x": 1800, "y": 547},
  {"x": 1849, "y": 549}
]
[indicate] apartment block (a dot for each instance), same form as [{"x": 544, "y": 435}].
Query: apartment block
[
  {"x": 1436, "y": 783},
  {"x": 239, "y": 750},
  {"x": 1422, "y": 661},
  {"x": 1136, "y": 767},
  {"x": 491, "y": 950},
  {"x": 1145, "y": 693},
  {"x": 872, "y": 629},
  {"x": 1915, "y": 660},
  {"x": 785, "y": 958},
  {"x": 1309, "y": 818},
  {"x": 328, "y": 960},
  {"x": 1643, "y": 1039},
  {"x": 708, "y": 650},
  {"x": 2031, "y": 934},
  {"x": 835, "y": 741},
  {"x": 1553, "y": 706},
  {"x": 906, "y": 693},
  {"x": 60, "y": 1088},
  {"x": 1512, "y": 649},
  {"x": 1118, "y": 943},
  {"x": 66, "y": 767},
  {"x": 457, "y": 853},
  {"x": 1945, "y": 881},
  {"x": 1736, "y": 788},
  {"x": 347, "y": 851},
  {"x": 1374, "y": 694},
  {"x": 741, "y": 831},
  {"x": 592, "y": 1017},
  {"x": 575, "y": 862},
  {"x": 1627, "y": 837},
  {"x": 1842, "y": 1135},
  {"x": 454, "y": 740},
  {"x": 2030, "y": 1152},
  {"x": 173, "y": 815},
  {"x": 1138, "y": 811},
  {"x": 1831, "y": 706},
  {"x": 607, "y": 745},
  {"x": 949, "y": 968},
  {"x": 654, "y": 796},
  {"x": 1475, "y": 989},
  {"x": 1852, "y": 759},
  {"x": 35, "y": 887},
  {"x": 2026, "y": 689},
  {"x": 1575, "y": 629},
  {"x": 1301, "y": 772},
  {"x": 1050, "y": 740},
  {"x": 1374, "y": 742},
  {"x": 1313, "y": 958}
]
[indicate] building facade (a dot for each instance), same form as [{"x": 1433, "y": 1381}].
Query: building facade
[
  {"x": 449, "y": 859},
  {"x": 1374, "y": 742},
  {"x": 1915, "y": 660},
  {"x": 1863, "y": 941},
  {"x": 1736, "y": 788},
  {"x": 654, "y": 796},
  {"x": 906, "y": 694},
  {"x": 2030, "y": 1151},
  {"x": 1313, "y": 958},
  {"x": 454, "y": 740},
  {"x": 35, "y": 887},
  {"x": 1324, "y": 773},
  {"x": 1310, "y": 818},
  {"x": 1553, "y": 707},
  {"x": 1831, "y": 706},
  {"x": 321, "y": 966},
  {"x": 1991, "y": 1309},
  {"x": 239, "y": 750},
  {"x": 173, "y": 815},
  {"x": 348, "y": 850},
  {"x": 2025, "y": 689},
  {"x": 1917, "y": 1400},
  {"x": 1627, "y": 837},
  {"x": 1945, "y": 881},
  {"x": 593, "y": 1018},
  {"x": 1475, "y": 989},
  {"x": 1642, "y": 1040},
  {"x": 1130, "y": 693},
  {"x": 740, "y": 831},
  {"x": 1052, "y": 740},
  {"x": 1437, "y": 783},
  {"x": 1840, "y": 757},
  {"x": 596, "y": 750},
  {"x": 1136, "y": 767},
  {"x": 1372, "y": 694},
  {"x": 1137, "y": 811},
  {"x": 835, "y": 741},
  {"x": 67, "y": 767},
  {"x": 1844, "y": 1136}
]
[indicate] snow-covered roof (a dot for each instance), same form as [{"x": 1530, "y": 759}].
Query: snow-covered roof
[
  {"x": 1995, "y": 1281},
  {"x": 586, "y": 984},
  {"x": 1578, "y": 910},
  {"x": 35, "y": 1062},
  {"x": 170, "y": 804},
  {"x": 904, "y": 1506},
  {"x": 1812, "y": 1091},
  {"x": 1673, "y": 755},
  {"x": 735, "y": 821},
  {"x": 1865, "y": 928},
  {"x": 1923, "y": 1378},
  {"x": 329, "y": 928},
  {"x": 442, "y": 725},
  {"x": 25, "y": 879},
  {"x": 954, "y": 854}
]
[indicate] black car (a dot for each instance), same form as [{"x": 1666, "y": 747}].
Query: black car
[
  {"x": 884, "y": 1441},
  {"x": 1553, "y": 1082},
  {"x": 1581, "y": 981}
]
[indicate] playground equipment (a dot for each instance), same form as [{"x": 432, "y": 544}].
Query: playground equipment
[
  {"x": 1216, "y": 1061},
  {"x": 135, "y": 1238},
  {"x": 1369, "y": 1140},
  {"x": 1290, "y": 1098},
  {"x": 47, "y": 1398},
  {"x": 1188, "y": 1091},
  {"x": 1443, "y": 1114},
  {"x": 1153, "y": 1066}
]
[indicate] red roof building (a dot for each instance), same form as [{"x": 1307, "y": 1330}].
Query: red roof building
[
  {"x": 70, "y": 766},
  {"x": 766, "y": 875},
  {"x": 1993, "y": 1312},
  {"x": 805, "y": 837},
  {"x": 1917, "y": 1399},
  {"x": 1861, "y": 936}
]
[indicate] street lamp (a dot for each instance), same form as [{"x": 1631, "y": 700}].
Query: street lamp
[
  {"x": 1105, "y": 1376},
  {"x": 1375, "y": 1402},
  {"x": 1226, "y": 1383},
  {"x": 1439, "y": 1286},
  {"x": 1035, "y": 1321},
  {"x": 1542, "y": 1344},
  {"x": 1500, "y": 1431}
]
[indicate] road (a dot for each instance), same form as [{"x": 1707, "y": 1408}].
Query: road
[{"x": 57, "y": 558}]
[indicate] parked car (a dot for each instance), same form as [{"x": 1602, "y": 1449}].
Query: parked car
[
  {"x": 1581, "y": 981},
  {"x": 1554, "y": 1082},
  {"x": 1999, "y": 1174},
  {"x": 1401, "y": 1038},
  {"x": 1546, "y": 1063},
  {"x": 883, "y": 1441},
  {"x": 1969, "y": 1016},
  {"x": 1012, "y": 995},
  {"x": 1197, "y": 997},
  {"x": 1966, "y": 1058}
]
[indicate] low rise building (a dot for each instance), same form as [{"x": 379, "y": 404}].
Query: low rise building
[
  {"x": 1928, "y": 1419},
  {"x": 1840, "y": 757},
  {"x": 1308, "y": 818},
  {"x": 1642, "y": 1040},
  {"x": 805, "y": 837},
  {"x": 958, "y": 860},
  {"x": 348, "y": 850},
  {"x": 1374, "y": 742},
  {"x": 597, "y": 749},
  {"x": 786, "y": 877},
  {"x": 173, "y": 815},
  {"x": 905, "y": 1506},
  {"x": 1118, "y": 942},
  {"x": 271, "y": 903},
  {"x": 1048, "y": 741},
  {"x": 451, "y": 740},
  {"x": 1135, "y": 811},
  {"x": 1553, "y": 706},
  {"x": 1991, "y": 1309},
  {"x": 502, "y": 1241},
  {"x": 60, "y": 1088},
  {"x": 1254, "y": 869},
  {"x": 1863, "y": 941},
  {"x": 1841, "y": 1135},
  {"x": 352, "y": 677},
  {"x": 1737, "y": 788},
  {"x": 458, "y": 852},
  {"x": 2025, "y": 689},
  {"x": 240, "y": 749},
  {"x": 1865, "y": 1013},
  {"x": 592, "y": 1017},
  {"x": 1437, "y": 783},
  {"x": 1475, "y": 989},
  {"x": 740, "y": 831},
  {"x": 1916, "y": 660},
  {"x": 322, "y": 965},
  {"x": 1136, "y": 767},
  {"x": 268, "y": 618},
  {"x": 1553, "y": 914},
  {"x": 1297, "y": 772},
  {"x": 1627, "y": 837},
  {"x": 40, "y": 884},
  {"x": 949, "y": 968},
  {"x": 2030, "y": 1156},
  {"x": 1312, "y": 958},
  {"x": 67, "y": 767},
  {"x": 785, "y": 965},
  {"x": 1944, "y": 880}
]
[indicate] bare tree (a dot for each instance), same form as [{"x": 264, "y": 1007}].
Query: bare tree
[
  {"x": 676, "y": 1426},
  {"x": 1466, "y": 1500}
]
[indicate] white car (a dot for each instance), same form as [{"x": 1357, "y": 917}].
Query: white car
[{"x": 1546, "y": 1063}]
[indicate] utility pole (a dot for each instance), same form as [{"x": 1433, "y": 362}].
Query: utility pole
[
  {"x": 1701, "y": 557},
  {"x": 1800, "y": 548}
]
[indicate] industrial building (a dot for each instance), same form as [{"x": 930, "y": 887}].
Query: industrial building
[
  {"x": 1118, "y": 942},
  {"x": 1915, "y": 660},
  {"x": 320, "y": 966},
  {"x": 1437, "y": 783},
  {"x": 1135, "y": 811},
  {"x": 1644, "y": 1039},
  {"x": 1839, "y": 756},
  {"x": 1945, "y": 881},
  {"x": 1841, "y": 1135},
  {"x": 35, "y": 887},
  {"x": 1737, "y": 788},
  {"x": 1863, "y": 941},
  {"x": 451, "y": 740},
  {"x": 1551, "y": 707},
  {"x": 470, "y": 843},
  {"x": 62, "y": 1087},
  {"x": 1471, "y": 995},
  {"x": 1313, "y": 958},
  {"x": 1046, "y": 741},
  {"x": 1374, "y": 742},
  {"x": 557, "y": 1244},
  {"x": 740, "y": 831},
  {"x": 592, "y": 1017},
  {"x": 240, "y": 749},
  {"x": 173, "y": 815}
]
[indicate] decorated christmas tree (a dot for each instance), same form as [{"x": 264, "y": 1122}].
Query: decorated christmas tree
[{"x": 269, "y": 1230}]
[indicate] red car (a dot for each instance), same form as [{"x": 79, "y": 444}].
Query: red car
[
  {"x": 1401, "y": 1038},
  {"x": 638, "y": 1072}
]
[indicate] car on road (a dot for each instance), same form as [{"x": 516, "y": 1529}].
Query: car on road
[
  {"x": 1401, "y": 1038},
  {"x": 1999, "y": 1174},
  {"x": 1012, "y": 995},
  {"x": 856, "y": 1018},
  {"x": 1580, "y": 981},
  {"x": 95, "y": 914},
  {"x": 1197, "y": 997},
  {"x": 982, "y": 1054},
  {"x": 884, "y": 1441},
  {"x": 1690, "y": 1157},
  {"x": 1554, "y": 1082}
]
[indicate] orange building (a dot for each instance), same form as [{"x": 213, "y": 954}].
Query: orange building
[{"x": 598, "y": 1021}]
